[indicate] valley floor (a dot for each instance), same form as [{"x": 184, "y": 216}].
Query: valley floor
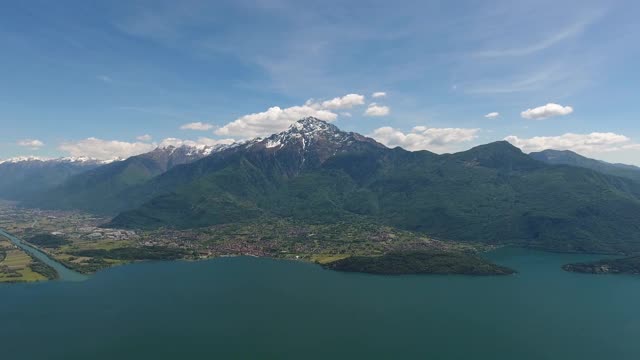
[
  {"x": 88, "y": 248},
  {"x": 78, "y": 241},
  {"x": 17, "y": 266}
]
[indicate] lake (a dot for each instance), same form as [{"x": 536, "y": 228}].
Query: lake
[{"x": 250, "y": 308}]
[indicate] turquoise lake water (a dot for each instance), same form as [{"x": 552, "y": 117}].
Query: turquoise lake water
[{"x": 249, "y": 308}]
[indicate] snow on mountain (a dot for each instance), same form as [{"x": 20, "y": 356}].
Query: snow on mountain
[
  {"x": 184, "y": 151},
  {"x": 309, "y": 132},
  {"x": 309, "y": 142},
  {"x": 20, "y": 159},
  {"x": 36, "y": 159}
]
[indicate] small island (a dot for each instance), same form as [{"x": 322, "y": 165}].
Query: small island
[
  {"x": 419, "y": 262},
  {"x": 629, "y": 265}
]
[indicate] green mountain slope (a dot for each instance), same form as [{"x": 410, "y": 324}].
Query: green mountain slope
[
  {"x": 244, "y": 182},
  {"x": 492, "y": 193}
]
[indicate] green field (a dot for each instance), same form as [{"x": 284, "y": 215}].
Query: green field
[{"x": 16, "y": 265}]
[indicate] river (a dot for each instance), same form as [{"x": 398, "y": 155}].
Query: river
[
  {"x": 254, "y": 308},
  {"x": 64, "y": 273}
]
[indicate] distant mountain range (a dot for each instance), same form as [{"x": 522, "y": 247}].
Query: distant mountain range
[
  {"x": 315, "y": 173},
  {"x": 22, "y": 176},
  {"x": 100, "y": 189},
  {"x": 566, "y": 157}
]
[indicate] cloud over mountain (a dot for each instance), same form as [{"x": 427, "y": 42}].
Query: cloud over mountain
[
  {"x": 105, "y": 149},
  {"x": 276, "y": 119},
  {"x": 583, "y": 143},
  {"x": 424, "y": 138},
  {"x": 114, "y": 149}
]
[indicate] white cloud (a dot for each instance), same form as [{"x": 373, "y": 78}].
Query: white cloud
[
  {"x": 346, "y": 114},
  {"x": 197, "y": 126},
  {"x": 346, "y": 102},
  {"x": 595, "y": 142},
  {"x": 34, "y": 144},
  {"x": 145, "y": 138},
  {"x": 492, "y": 115},
  {"x": 546, "y": 111},
  {"x": 379, "y": 94},
  {"x": 424, "y": 138},
  {"x": 105, "y": 149},
  {"x": 377, "y": 110},
  {"x": 114, "y": 149},
  {"x": 277, "y": 119},
  {"x": 271, "y": 121}
]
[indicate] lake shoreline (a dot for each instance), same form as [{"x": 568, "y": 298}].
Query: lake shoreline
[
  {"x": 335, "y": 263},
  {"x": 627, "y": 266}
]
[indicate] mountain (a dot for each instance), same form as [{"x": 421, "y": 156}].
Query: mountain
[
  {"x": 20, "y": 177},
  {"x": 566, "y": 157},
  {"x": 315, "y": 173},
  {"x": 99, "y": 190},
  {"x": 238, "y": 182}
]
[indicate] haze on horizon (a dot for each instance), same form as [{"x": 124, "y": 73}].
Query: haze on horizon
[{"x": 107, "y": 80}]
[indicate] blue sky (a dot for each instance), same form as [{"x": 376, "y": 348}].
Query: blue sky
[{"x": 92, "y": 78}]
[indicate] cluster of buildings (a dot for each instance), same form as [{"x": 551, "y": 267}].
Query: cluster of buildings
[{"x": 95, "y": 233}]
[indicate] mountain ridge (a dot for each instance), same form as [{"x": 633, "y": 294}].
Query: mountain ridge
[
  {"x": 20, "y": 177},
  {"x": 96, "y": 189},
  {"x": 493, "y": 193},
  {"x": 567, "y": 157},
  {"x": 315, "y": 173}
]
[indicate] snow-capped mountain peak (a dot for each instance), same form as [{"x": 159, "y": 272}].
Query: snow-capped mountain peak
[
  {"x": 305, "y": 132},
  {"x": 310, "y": 142},
  {"x": 311, "y": 131},
  {"x": 20, "y": 159},
  {"x": 82, "y": 160},
  {"x": 311, "y": 125},
  {"x": 192, "y": 151},
  {"x": 85, "y": 159}
]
